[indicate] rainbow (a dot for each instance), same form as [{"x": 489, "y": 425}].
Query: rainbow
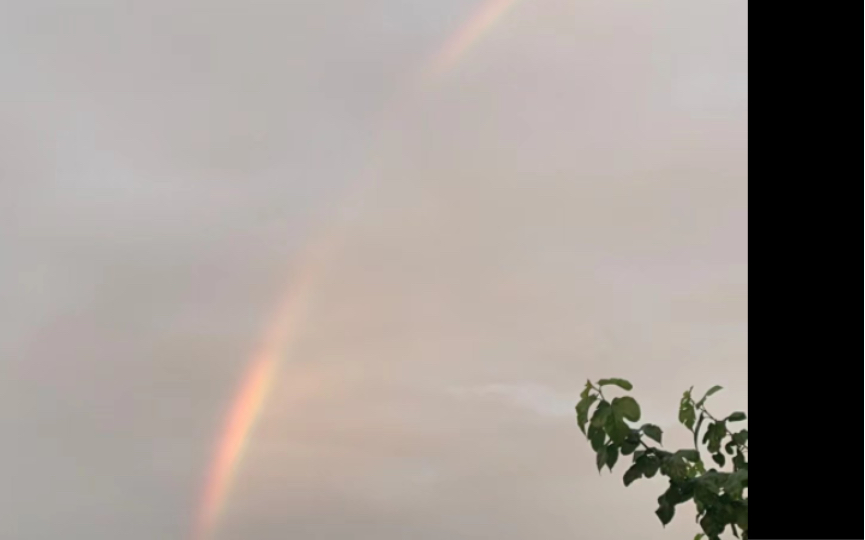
[
  {"x": 283, "y": 329},
  {"x": 455, "y": 48}
]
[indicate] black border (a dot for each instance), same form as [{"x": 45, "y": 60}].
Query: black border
[{"x": 804, "y": 392}]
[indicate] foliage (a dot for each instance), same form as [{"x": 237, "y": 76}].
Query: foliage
[{"x": 720, "y": 496}]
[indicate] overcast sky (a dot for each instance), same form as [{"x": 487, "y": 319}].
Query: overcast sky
[{"x": 570, "y": 201}]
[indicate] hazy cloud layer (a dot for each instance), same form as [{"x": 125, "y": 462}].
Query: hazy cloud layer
[{"x": 570, "y": 202}]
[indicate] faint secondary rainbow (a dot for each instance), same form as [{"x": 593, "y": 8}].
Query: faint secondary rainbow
[
  {"x": 284, "y": 327},
  {"x": 455, "y": 48}
]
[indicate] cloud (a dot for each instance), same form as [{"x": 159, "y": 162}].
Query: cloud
[
  {"x": 537, "y": 398},
  {"x": 545, "y": 214}
]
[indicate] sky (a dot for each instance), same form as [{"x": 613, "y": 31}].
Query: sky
[{"x": 568, "y": 201}]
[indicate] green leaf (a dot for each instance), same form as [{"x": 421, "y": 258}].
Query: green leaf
[
  {"x": 700, "y": 536},
  {"x": 737, "y": 417},
  {"x": 741, "y": 438},
  {"x": 628, "y": 448},
  {"x": 675, "y": 468},
  {"x": 712, "y": 482},
  {"x": 653, "y": 432},
  {"x": 720, "y": 459},
  {"x": 662, "y": 454},
  {"x": 677, "y": 493},
  {"x": 646, "y": 465},
  {"x": 628, "y": 408},
  {"x": 714, "y": 390},
  {"x": 687, "y": 413},
  {"x": 601, "y": 413},
  {"x": 736, "y": 484},
  {"x": 742, "y": 518},
  {"x": 617, "y": 429},
  {"x": 711, "y": 525},
  {"x": 665, "y": 513},
  {"x": 740, "y": 462},
  {"x": 688, "y": 455},
  {"x": 587, "y": 390},
  {"x": 692, "y": 472},
  {"x": 714, "y": 436},
  {"x": 621, "y": 383},
  {"x": 583, "y": 408},
  {"x": 597, "y": 438},
  {"x": 633, "y": 474},
  {"x": 632, "y": 442},
  {"x": 650, "y": 466},
  {"x": 612, "y": 456},
  {"x": 730, "y": 447},
  {"x": 601, "y": 460},
  {"x": 700, "y": 504}
]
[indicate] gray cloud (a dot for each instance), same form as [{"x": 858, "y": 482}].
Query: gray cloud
[
  {"x": 569, "y": 202},
  {"x": 534, "y": 397}
]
